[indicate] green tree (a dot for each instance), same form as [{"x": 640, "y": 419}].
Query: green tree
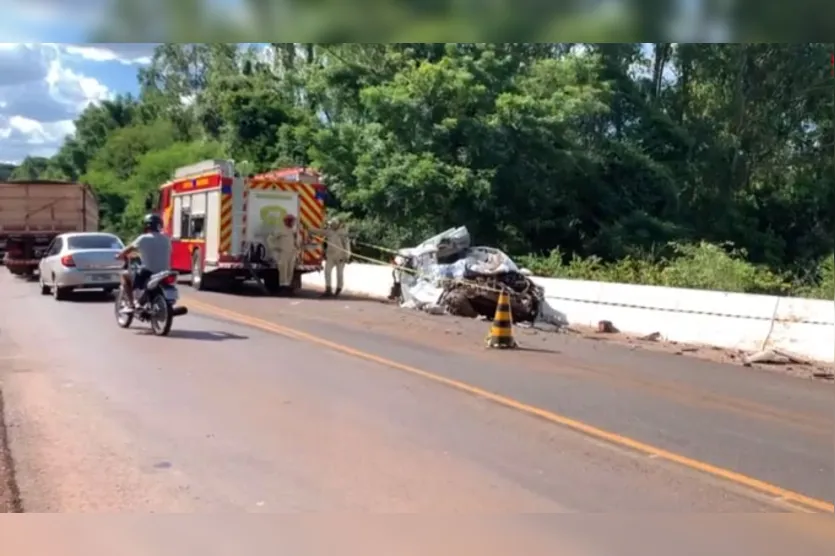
[
  {"x": 31, "y": 168},
  {"x": 700, "y": 165}
]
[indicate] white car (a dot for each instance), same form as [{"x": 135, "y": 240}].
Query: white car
[{"x": 84, "y": 260}]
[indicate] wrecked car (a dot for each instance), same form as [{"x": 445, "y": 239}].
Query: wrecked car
[{"x": 444, "y": 274}]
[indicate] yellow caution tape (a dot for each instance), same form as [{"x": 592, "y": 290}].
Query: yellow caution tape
[{"x": 414, "y": 271}]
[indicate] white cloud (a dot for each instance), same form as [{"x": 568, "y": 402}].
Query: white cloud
[
  {"x": 72, "y": 89},
  {"x": 21, "y": 137},
  {"x": 39, "y": 99},
  {"x": 37, "y": 133},
  {"x": 127, "y": 53}
]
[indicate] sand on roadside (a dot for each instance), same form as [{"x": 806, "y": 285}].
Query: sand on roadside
[{"x": 9, "y": 496}]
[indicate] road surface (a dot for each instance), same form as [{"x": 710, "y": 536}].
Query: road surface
[
  {"x": 235, "y": 413},
  {"x": 765, "y": 425}
]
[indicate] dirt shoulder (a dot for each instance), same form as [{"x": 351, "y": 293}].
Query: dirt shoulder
[
  {"x": 793, "y": 365},
  {"x": 9, "y": 495}
]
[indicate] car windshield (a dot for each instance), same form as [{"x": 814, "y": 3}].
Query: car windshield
[{"x": 94, "y": 241}]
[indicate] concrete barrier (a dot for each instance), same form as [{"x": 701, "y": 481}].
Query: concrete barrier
[{"x": 729, "y": 320}]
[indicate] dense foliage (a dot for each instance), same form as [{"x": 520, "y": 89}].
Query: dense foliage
[
  {"x": 6, "y": 170},
  {"x": 697, "y": 165}
]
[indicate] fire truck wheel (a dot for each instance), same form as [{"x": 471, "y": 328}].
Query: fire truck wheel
[
  {"x": 197, "y": 281},
  {"x": 233, "y": 285},
  {"x": 270, "y": 280}
]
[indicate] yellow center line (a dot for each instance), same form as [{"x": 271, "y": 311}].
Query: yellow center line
[
  {"x": 803, "y": 502},
  {"x": 690, "y": 396}
]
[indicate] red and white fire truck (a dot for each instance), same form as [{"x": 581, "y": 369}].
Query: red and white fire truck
[{"x": 219, "y": 221}]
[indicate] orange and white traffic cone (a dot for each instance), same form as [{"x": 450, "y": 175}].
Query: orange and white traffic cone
[{"x": 501, "y": 331}]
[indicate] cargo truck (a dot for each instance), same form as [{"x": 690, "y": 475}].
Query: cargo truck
[{"x": 33, "y": 212}]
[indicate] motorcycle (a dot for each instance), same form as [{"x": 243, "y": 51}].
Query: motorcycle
[{"x": 156, "y": 303}]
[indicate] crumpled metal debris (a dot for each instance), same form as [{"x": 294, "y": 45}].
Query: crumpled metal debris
[
  {"x": 478, "y": 295},
  {"x": 446, "y": 273}
]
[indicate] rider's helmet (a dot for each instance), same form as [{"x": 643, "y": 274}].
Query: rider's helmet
[
  {"x": 152, "y": 223},
  {"x": 289, "y": 220}
]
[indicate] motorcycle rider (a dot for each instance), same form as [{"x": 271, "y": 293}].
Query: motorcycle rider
[{"x": 154, "y": 249}]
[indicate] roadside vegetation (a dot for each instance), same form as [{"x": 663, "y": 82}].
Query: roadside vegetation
[
  {"x": 703, "y": 266},
  {"x": 687, "y": 165}
]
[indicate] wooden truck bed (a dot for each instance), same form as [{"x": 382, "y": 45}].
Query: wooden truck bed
[
  {"x": 46, "y": 206},
  {"x": 34, "y": 212}
]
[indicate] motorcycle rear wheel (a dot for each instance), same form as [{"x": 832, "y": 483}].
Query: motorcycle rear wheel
[{"x": 161, "y": 315}]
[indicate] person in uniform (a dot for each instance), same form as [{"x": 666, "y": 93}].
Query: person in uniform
[
  {"x": 284, "y": 244},
  {"x": 337, "y": 254}
]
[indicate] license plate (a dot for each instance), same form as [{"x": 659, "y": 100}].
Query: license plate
[
  {"x": 100, "y": 278},
  {"x": 170, "y": 294}
]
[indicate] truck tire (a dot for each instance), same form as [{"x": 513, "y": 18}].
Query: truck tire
[
  {"x": 270, "y": 279},
  {"x": 197, "y": 278}
]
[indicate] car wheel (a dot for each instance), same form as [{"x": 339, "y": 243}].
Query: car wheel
[
  {"x": 44, "y": 288},
  {"x": 60, "y": 294}
]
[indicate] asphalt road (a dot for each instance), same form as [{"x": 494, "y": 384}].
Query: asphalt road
[
  {"x": 765, "y": 425},
  {"x": 231, "y": 417}
]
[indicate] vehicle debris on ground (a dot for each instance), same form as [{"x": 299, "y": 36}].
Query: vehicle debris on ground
[{"x": 445, "y": 274}]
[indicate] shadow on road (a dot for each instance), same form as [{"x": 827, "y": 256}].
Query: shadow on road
[
  {"x": 206, "y": 335},
  {"x": 251, "y": 289},
  {"x": 317, "y": 294},
  {"x": 90, "y": 296},
  {"x": 246, "y": 289},
  {"x": 538, "y": 350}
]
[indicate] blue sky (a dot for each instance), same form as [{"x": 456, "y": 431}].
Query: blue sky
[
  {"x": 50, "y": 74},
  {"x": 44, "y": 86}
]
